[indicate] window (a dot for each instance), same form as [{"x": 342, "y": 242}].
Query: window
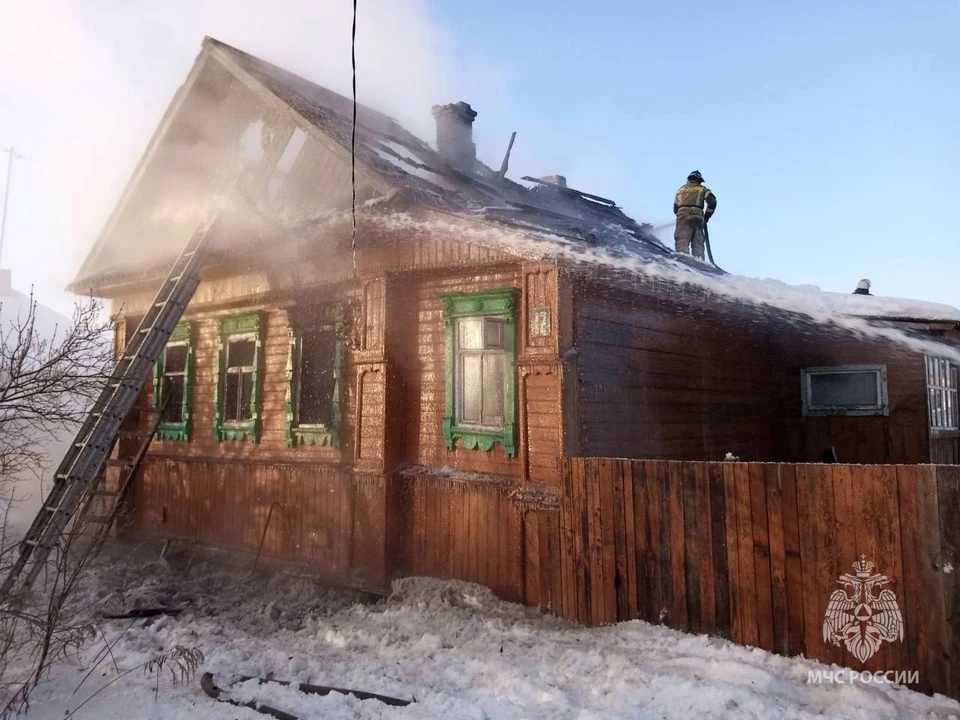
[
  {"x": 172, "y": 385},
  {"x": 844, "y": 390},
  {"x": 479, "y": 372},
  {"x": 241, "y": 353},
  {"x": 237, "y": 404},
  {"x": 314, "y": 375},
  {"x": 942, "y": 394},
  {"x": 480, "y": 332}
]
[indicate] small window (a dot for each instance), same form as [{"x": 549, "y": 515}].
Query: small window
[
  {"x": 238, "y": 405},
  {"x": 942, "y": 394},
  {"x": 174, "y": 384},
  {"x": 480, "y": 373},
  {"x": 173, "y": 379},
  {"x": 237, "y": 402},
  {"x": 480, "y": 331},
  {"x": 844, "y": 390},
  {"x": 315, "y": 376}
]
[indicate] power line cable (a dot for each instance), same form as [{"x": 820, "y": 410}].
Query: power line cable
[{"x": 353, "y": 141}]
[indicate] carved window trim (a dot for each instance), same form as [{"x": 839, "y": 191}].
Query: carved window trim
[
  {"x": 500, "y": 302},
  {"x": 247, "y": 324},
  {"x": 323, "y": 435},
  {"x": 182, "y": 335}
]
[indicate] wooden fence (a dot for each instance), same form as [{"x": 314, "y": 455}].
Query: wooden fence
[{"x": 752, "y": 552}]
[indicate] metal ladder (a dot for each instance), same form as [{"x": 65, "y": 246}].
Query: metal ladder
[{"x": 84, "y": 462}]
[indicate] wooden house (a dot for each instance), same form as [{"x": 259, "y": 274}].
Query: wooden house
[{"x": 395, "y": 400}]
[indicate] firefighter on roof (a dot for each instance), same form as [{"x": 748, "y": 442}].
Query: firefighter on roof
[{"x": 691, "y": 218}]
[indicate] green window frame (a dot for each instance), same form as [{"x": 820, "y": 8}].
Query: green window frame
[
  {"x": 234, "y": 330},
  {"x": 182, "y": 336},
  {"x": 499, "y": 303},
  {"x": 304, "y": 321}
]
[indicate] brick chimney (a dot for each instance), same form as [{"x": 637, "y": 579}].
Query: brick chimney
[{"x": 455, "y": 134}]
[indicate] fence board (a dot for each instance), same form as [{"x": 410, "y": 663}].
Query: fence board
[
  {"x": 793, "y": 569},
  {"x": 607, "y": 539},
  {"x": 911, "y": 595},
  {"x": 931, "y": 563},
  {"x": 778, "y": 558},
  {"x": 619, "y": 529},
  {"x": 630, "y": 561},
  {"x": 731, "y": 521},
  {"x": 674, "y": 501},
  {"x": 720, "y": 559},
  {"x": 761, "y": 556},
  {"x": 948, "y": 500}
]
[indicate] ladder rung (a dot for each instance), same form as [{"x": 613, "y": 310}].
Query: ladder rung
[
  {"x": 104, "y": 493},
  {"x": 48, "y": 509},
  {"x": 114, "y": 462},
  {"x": 175, "y": 278}
]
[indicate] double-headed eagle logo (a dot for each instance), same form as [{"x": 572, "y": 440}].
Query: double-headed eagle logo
[{"x": 864, "y": 613}]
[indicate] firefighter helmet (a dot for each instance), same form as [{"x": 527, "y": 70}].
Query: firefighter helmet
[{"x": 695, "y": 175}]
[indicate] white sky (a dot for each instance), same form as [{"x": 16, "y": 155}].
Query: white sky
[{"x": 83, "y": 85}]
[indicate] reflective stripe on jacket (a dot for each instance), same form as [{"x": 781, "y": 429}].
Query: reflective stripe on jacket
[{"x": 691, "y": 197}]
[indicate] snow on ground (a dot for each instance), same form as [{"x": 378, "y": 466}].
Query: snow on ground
[{"x": 453, "y": 646}]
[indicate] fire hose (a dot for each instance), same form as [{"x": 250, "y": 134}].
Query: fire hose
[{"x": 211, "y": 689}]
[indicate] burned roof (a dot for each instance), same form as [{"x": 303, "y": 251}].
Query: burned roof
[{"x": 422, "y": 177}]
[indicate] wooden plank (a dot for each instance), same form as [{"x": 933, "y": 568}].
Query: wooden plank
[
  {"x": 595, "y": 543},
  {"x": 619, "y": 523},
  {"x": 931, "y": 566},
  {"x": 608, "y": 532},
  {"x": 645, "y": 576},
  {"x": 568, "y": 602},
  {"x": 691, "y": 549},
  {"x": 948, "y": 501},
  {"x": 626, "y": 469},
  {"x": 778, "y": 570},
  {"x": 705, "y": 551},
  {"x": 761, "y": 556},
  {"x": 911, "y": 594},
  {"x": 883, "y": 523},
  {"x": 678, "y": 607},
  {"x": 732, "y": 541},
  {"x": 581, "y": 546},
  {"x": 659, "y": 516},
  {"x": 817, "y": 529},
  {"x": 848, "y": 515},
  {"x": 720, "y": 557},
  {"x": 793, "y": 570},
  {"x": 531, "y": 559},
  {"x": 749, "y": 626}
]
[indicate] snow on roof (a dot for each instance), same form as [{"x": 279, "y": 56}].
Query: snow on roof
[{"x": 545, "y": 218}]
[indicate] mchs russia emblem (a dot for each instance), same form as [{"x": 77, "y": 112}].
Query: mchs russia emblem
[{"x": 864, "y": 613}]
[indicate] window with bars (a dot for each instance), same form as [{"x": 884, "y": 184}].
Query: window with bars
[
  {"x": 173, "y": 383},
  {"x": 480, "y": 332},
  {"x": 237, "y": 403},
  {"x": 844, "y": 390},
  {"x": 942, "y": 394}
]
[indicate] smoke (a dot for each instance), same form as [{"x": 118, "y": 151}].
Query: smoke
[{"x": 92, "y": 78}]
